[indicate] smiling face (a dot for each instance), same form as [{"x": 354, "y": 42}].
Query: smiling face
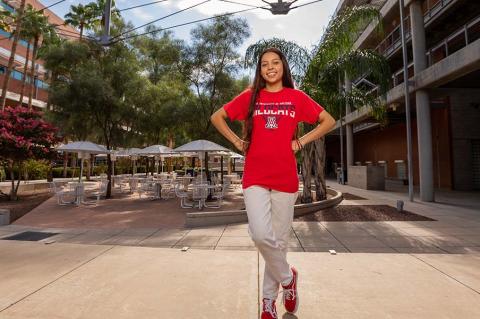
[{"x": 272, "y": 69}]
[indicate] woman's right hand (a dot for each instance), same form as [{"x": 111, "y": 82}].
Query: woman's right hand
[{"x": 240, "y": 145}]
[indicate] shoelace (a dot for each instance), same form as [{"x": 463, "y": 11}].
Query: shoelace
[
  {"x": 268, "y": 307},
  {"x": 288, "y": 294}
]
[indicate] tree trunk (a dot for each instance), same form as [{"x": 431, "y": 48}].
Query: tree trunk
[
  {"x": 89, "y": 167},
  {"x": 50, "y": 172},
  {"x": 14, "y": 189},
  {"x": 81, "y": 31},
  {"x": 11, "y": 61},
  {"x": 65, "y": 164},
  {"x": 32, "y": 71},
  {"x": 307, "y": 155},
  {"x": 25, "y": 71},
  {"x": 319, "y": 169},
  {"x": 109, "y": 176},
  {"x": 52, "y": 79},
  {"x": 147, "y": 166}
]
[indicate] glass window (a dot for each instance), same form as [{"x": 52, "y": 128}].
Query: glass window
[
  {"x": 6, "y": 6},
  {"x": 17, "y": 75},
  {"x": 7, "y": 35}
]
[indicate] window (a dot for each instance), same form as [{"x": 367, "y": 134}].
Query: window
[
  {"x": 17, "y": 75},
  {"x": 7, "y": 35},
  {"x": 6, "y": 7},
  {"x": 3, "y": 69}
]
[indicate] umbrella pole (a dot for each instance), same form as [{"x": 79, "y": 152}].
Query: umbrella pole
[
  {"x": 221, "y": 168},
  {"x": 81, "y": 170}
]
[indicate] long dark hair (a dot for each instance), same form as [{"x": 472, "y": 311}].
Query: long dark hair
[{"x": 258, "y": 84}]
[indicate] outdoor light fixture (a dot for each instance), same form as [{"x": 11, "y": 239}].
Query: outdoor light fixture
[{"x": 280, "y": 7}]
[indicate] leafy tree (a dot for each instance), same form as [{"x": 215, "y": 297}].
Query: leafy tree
[
  {"x": 24, "y": 135},
  {"x": 159, "y": 54},
  {"x": 100, "y": 87},
  {"x": 16, "y": 36},
  {"x": 209, "y": 64}
]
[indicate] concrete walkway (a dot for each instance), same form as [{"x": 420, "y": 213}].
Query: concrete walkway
[
  {"x": 97, "y": 281},
  {"x": 381, "y": 269}
]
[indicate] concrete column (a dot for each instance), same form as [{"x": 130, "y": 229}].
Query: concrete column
[
  {"x": 349, "y": 127},
  {"x": 422, "y": 105}
]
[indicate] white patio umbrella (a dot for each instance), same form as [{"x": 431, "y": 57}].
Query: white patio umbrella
[
  {"x": 201, "y": 146},
  {"x": 159, "y": 151},
  {"x": 83, "y": 149}
]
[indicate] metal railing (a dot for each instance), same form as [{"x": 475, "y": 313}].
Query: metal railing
[{"x": 392, "y": 42}]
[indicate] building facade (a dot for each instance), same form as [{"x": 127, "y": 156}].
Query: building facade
[
  {"x": 40, "y": 81},
  {"x": 443, "y": 45}
]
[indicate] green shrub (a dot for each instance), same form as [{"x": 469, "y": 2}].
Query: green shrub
[
  {"x": 100, "y": 169},
  {"x": 36, "y": 169}
]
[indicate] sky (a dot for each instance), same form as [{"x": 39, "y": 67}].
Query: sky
[{"x": 304, "y": 25}]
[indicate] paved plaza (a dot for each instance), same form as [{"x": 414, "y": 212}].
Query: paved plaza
[{"x": 418, "y": 269}]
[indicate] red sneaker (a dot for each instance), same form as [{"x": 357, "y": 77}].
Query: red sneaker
[
  {"x": 290, "y": 294},
  {"x": 268, "y": 310}
]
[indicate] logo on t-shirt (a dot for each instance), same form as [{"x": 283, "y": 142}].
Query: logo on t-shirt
[{"x": 272, "y": 113}]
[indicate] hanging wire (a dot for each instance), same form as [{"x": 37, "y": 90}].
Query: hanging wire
[
  {"x": 156, "y": 20},
  {"x": 244, "y": 4},
  {"x": 141, "y": 5},
  {"x": 180, "y": 25},
  {"x": 305, "y": 4}
]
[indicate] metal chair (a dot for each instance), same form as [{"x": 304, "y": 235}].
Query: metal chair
[
  {"x": 102, "y": 191},
  {"x": 182, "y": 193},
  {"x": 60, "y": 193}
]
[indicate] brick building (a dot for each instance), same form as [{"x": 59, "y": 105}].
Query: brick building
[{"x": 41, "y": 85}]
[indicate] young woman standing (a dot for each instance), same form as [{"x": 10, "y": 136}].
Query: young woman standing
[{"x": 272, "y": 109}]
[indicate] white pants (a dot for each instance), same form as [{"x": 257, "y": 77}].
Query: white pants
[{"x": 270, "y": 216}]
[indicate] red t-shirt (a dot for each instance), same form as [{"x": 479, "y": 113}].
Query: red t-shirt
[{"x": 270, "y": 161}]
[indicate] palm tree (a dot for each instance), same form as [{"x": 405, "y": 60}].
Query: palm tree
[
  {"x": 39, "y": 27},
  {"x": 98, "y": 8},
  {"x": 51, "y": 40},
  {"x": 16, "y": 37},
  {"x": 26, "y": 34},
  {"x": 81, "y": 16},
  {"x": 298, "y": 57},
  {"x": 320, "y": 75},
  {"x": 335, "y": 60}
]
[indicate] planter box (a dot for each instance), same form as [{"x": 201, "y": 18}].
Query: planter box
[
  {"x": 367, "y": 177},
  {"x": 4, "y": 217}
]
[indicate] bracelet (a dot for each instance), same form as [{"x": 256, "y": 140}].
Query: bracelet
[{"x": 299, "y": 144}]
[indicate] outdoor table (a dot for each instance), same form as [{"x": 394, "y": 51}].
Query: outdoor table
[
  {"x": 79, "y": 190},
  {"x": 157, "y": 187},
  {"x": 202, "y": 199}
]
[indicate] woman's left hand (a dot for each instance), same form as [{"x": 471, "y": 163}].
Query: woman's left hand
[{"x": 296, "y": 146}]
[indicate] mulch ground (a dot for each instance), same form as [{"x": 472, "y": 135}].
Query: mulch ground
[
  {"x": 24, "y": 204},
  {"x": 349, "y": 196},
  {"x": 357, "y": 213}
]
